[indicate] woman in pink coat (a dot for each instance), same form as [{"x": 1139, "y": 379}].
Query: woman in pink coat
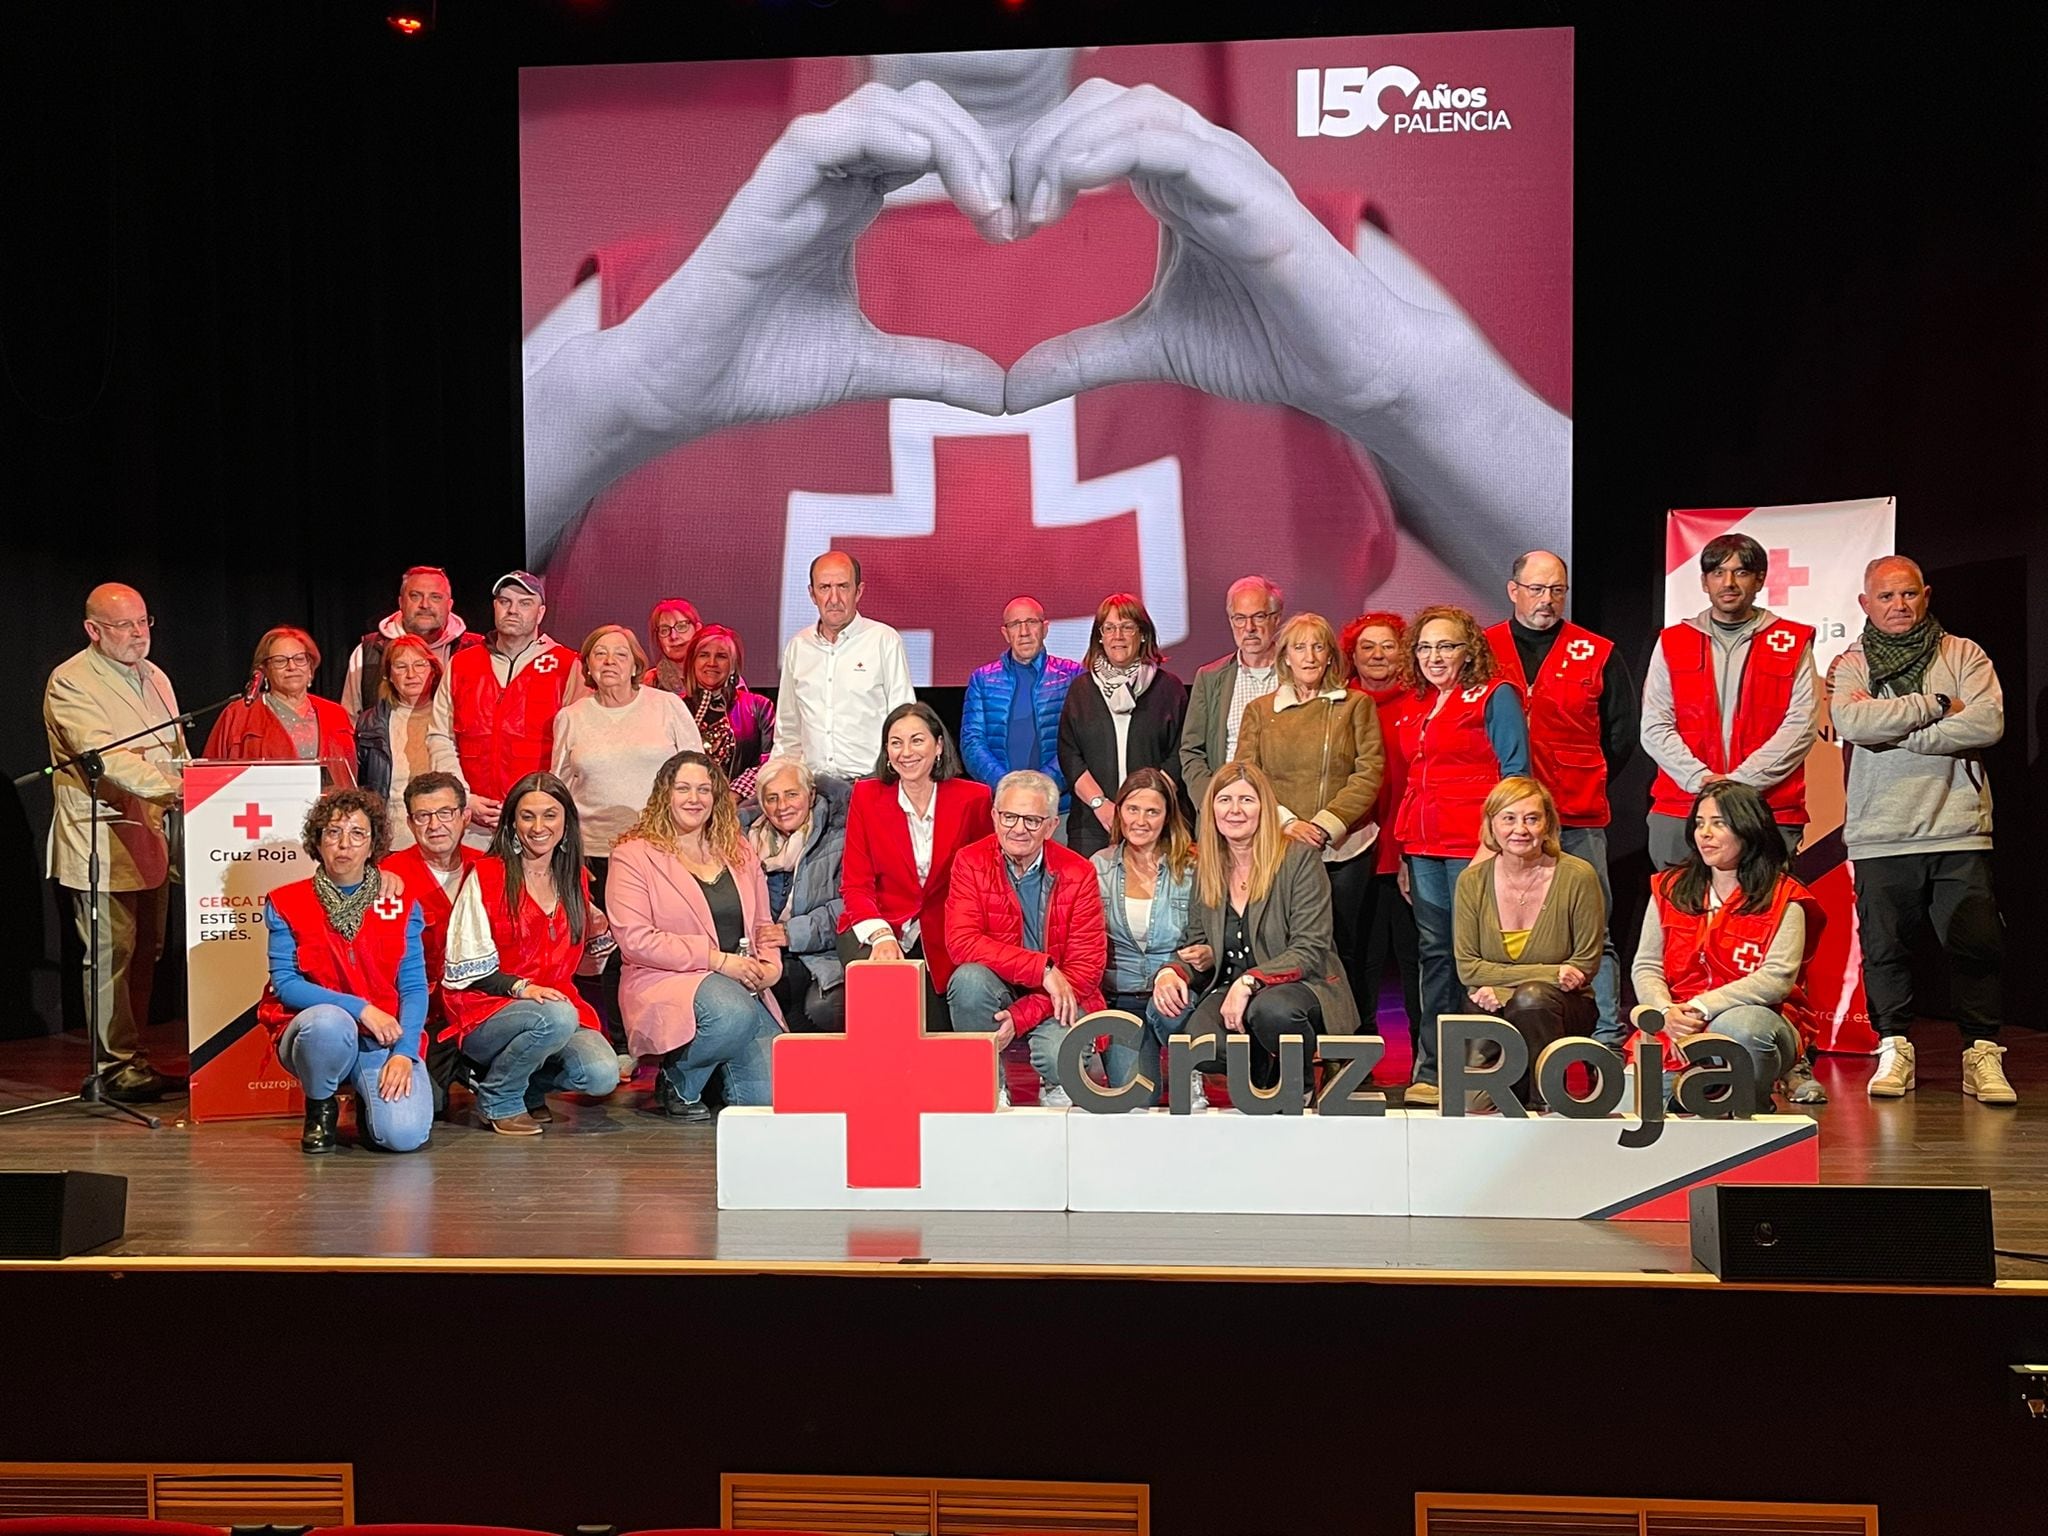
[{"x": 684, "y": 894}]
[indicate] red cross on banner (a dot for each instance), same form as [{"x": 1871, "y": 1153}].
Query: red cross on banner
[
  {"x": 1782, "y": 577},
  {"x": 252, "y": 820},
  {"x": 885, "y": 1074},
  {"x": 985, "y": 548}
]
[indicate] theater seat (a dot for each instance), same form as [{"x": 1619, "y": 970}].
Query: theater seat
[
  {"x": 103, "y": 1525},
  {"x": 430, "y": 1530}
]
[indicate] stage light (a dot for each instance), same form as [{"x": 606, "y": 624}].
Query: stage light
[{"x": 412, "y": 20}]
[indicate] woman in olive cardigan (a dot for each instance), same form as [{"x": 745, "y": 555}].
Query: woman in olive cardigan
[
  {"x": 1319, "y": 742},
  {"x": 1529, "y": 924}
]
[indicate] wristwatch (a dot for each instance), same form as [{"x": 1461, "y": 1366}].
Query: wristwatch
[
  {"x": 1946, "y": 704},
  {"x": 1097, "y": 802},
  {"x": 1251, "y": 983}
]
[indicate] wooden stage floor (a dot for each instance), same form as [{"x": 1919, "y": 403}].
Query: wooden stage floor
[{"x": 610, "y": 1187}]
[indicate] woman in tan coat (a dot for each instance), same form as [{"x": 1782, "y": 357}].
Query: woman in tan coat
[
  {"x": 1529, "y": 924},
  {"x": 1319, "y": 743}
]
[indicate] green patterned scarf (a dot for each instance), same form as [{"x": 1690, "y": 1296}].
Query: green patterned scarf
[
  {"x": 346, "y": 909},
  {"x": 1898, "y": 663}
]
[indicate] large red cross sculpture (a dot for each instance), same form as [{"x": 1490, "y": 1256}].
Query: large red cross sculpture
[
  {"x": 253, "y": 820},
  {"x": 984, "y": 549},
  {"x": 885, "y": 1074},
  {"x": 1782, "y": 577}
]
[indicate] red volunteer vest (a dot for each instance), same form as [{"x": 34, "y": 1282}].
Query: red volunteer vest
[
  {"x": 1564, "y": 719},
  {"x": 923, "y": 270},
  {"x": 1765, "y": 694},
  {"x": 1710, "y": 949},
  {"x": 424, "y": 887},
  {"x": 532, "y": 944},
  {"x": 1451, "y": 771},
  {"x": 1393, "y": 705},
  {"x": 505, "y": 732},
  {"x": 365, "y": 966}
]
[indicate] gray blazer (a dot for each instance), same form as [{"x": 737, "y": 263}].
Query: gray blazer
[
  {"x": 1291, "y": 936},
  {"x": 1206, "y": 730}
]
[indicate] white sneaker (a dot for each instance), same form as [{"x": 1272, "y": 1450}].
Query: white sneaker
[
  {"x": 1198, "y": 1093},
  {"x": 1894, "y": 1076},
  {"x": 1984, "y": 1075},
  {"x": 1002, "y": 1095},
  {"x": 1054, "y": 1097},
  {"x": 1422, "y": 1096}
]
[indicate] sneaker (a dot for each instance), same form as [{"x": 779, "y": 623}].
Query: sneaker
[
  {"x": 1800, "y": 1086},
  {"x": 1894, "y": 1076},
  {"x": 1984, "y": 1075},
  {"x": 1198, "y": 1093},
  {"x": 1421, "y": 1096},
  {"x": 1054, "y": 1097},
  {"x": 1002, "y": 1095}
]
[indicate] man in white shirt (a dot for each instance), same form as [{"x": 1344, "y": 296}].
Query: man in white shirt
[
  {"x": 840, "y": 678},
  {"x": 425, "y": 609}
]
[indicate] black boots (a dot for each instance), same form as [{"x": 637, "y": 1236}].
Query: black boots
[{"x": 323, "y": 1120}]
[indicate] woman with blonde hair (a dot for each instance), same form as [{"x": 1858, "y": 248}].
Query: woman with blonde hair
[
  {"x": 1462, "y": 734},
  {"x": 1262, "y": 908},
  {"x": 687, "y": 892},
  {"x": 1319, "y": 742},
  {"x": 1530, "y": 924},
  {"x": 391, "y": 731}
]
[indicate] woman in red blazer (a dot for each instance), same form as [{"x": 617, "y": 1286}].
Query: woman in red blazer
[
  {"x": 285, "y": 720},
  {"x": 903, "y": 827}
]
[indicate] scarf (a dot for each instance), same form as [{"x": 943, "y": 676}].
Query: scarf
[
  {"x": 346, "y": 909},
  {"x": 779, "y": 854},
  {"x": 1898, "y": 663},
  {"x": 1123, "y": 686},
  {"x": 713, "y": 713}
]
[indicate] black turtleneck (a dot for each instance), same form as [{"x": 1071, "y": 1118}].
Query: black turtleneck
[{"x": 1619, "y": 703}]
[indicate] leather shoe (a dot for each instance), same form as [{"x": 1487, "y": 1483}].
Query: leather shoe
[
  {"x": 322, "y": 1129},
  {"x": 672, "y": 1104},
  {"x": 140, "y": 1085},
  {"x": 521, "y": 1124},
  {"x": 541, "y": 1113}
]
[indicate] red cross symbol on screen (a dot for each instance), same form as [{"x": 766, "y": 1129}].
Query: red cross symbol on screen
[
  {"x": 885, "y": 1074},
  {"x": 252, "y": 820},
  {"x": 1782, "y": 578},
  {"x": 985, "y": 548}
]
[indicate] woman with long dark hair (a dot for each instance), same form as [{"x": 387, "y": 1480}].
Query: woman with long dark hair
[
  {"x": 1146, "y": 879},
  {"x": 1727, "y": 936},
  {"x": 515, "y": 938},
  {"x": 687, "y": 894}
]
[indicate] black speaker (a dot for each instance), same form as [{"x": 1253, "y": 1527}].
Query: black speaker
[
  {"x": 1844, "y": 1234},
  {"x": 54, "y": 1215}
]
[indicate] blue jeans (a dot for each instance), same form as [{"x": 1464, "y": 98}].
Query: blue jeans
[
  {"x": 975, "y": 994},
  {"x": 1122, "y": 1061},
  {"x": 324, "y": 1048},
  {"x": 1433, "y": 883},
  {"x": 1772, "y": 1043},
  {"x": 1590, "y": 844},
  {"x": 530, "y": 1049},
  {"x": 734, "y": 1028}
]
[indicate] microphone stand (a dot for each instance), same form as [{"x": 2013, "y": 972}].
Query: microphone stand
[{"x": 91, "y": 766}]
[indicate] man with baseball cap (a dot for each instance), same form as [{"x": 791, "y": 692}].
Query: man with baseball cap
[{"x": 494, "y": 717}]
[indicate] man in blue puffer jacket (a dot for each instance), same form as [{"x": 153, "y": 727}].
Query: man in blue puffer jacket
[{"x": 1003, "y": 726}]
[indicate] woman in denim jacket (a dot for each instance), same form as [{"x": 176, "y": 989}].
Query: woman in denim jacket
[{"x": 1147, "y": 875}]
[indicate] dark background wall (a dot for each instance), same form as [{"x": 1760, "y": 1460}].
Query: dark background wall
[
  {"x": 1277, "y": 1410},
  {"x": 259, "y": 311}
]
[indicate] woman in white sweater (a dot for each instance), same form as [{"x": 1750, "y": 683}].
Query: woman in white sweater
[{"x": 609, "y": 744}]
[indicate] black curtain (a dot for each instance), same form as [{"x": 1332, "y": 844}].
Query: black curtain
[{"x": 259, "y": 313}]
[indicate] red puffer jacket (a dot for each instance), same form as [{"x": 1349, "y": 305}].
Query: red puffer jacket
[{"x": 985, "y": 926}]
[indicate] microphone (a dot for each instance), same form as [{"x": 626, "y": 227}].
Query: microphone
[{"x": 253, "y": 687}]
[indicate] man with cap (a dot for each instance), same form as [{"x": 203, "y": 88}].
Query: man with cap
[{"x": 494, "y": 717}]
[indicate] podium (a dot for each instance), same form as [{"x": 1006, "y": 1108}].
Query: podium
[{"x": 242, "y": 823}]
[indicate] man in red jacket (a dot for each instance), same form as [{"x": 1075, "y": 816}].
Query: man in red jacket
[
  {"x": 494, "y": 716},
  {"x": 437, "y": 807},
  {"x": 1024, "y": 924}
]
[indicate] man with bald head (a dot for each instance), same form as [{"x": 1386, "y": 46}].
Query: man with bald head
[
  {"x": 840, "y": 678},
  {"x": 1582, "y": 728},
  {"x": 109, "y": 690},
  {"x": 1918, "y": 707},
  {"x": 1011, "y": 718}
]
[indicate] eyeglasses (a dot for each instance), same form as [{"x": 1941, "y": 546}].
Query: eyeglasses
[
  {"x": 347, "y": 837},
  {"x": 1441, "y": 648},
  {"x": 1011, "y": 820},
  {"x": 296, "y": 659},
  {"x": 127, "y": 626},
  {"x": 443, "y": 817},
  {"x": 1545, "y": 589},
  {"x": 1253, "y": 620},
  {"x": 684, "y": 628},
  {"x": 1125, "y": 628}
]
